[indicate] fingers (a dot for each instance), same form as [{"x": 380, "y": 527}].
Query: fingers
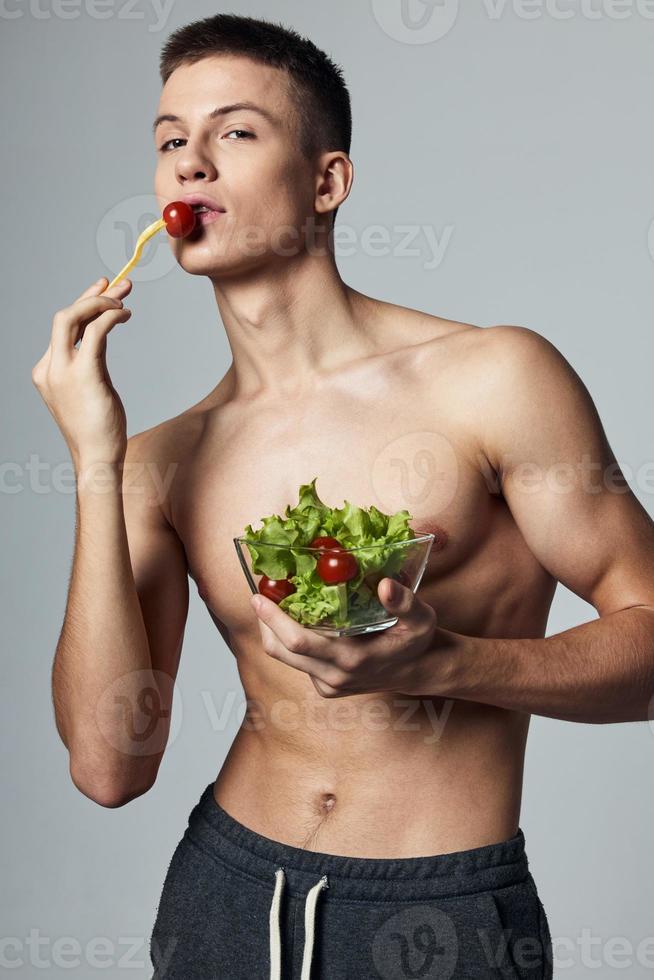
[
  {"x": 69, "y": 323},
  {"x": 94, "y": 289},
  {"x": 121, "y": 288},
  {"x": 94, "y": 343},
  {"x": 100, "y": 286},
  {"x": 294, "y": 637},
  {"x": 308, "y": 661}
]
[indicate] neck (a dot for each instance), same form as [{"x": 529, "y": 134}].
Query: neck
[{"x": 290, "y": 324}]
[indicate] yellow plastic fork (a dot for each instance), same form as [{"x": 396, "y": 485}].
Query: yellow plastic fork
[{"x": 144, "y": 237}]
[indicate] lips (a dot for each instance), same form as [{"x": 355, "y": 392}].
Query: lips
[
  {"x": 196, "y": 201},
  {"x": 206, "y": 217}
]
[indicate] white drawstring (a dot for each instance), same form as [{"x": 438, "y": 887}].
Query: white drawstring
[
  {"x": 275, "y": 944},
  {"x": 309, "y": 921},
  {"x": 309, "y": 918}
]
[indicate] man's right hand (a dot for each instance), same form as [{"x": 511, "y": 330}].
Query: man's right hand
[{"x": 75, "y": 383}]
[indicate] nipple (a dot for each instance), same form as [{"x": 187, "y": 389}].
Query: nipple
[{"x": 440, "y": 535}]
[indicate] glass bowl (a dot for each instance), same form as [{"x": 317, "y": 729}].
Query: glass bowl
[{"x": 341, "y": 609}]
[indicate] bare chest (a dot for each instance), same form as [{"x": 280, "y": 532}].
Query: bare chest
[{"x": 398, "y": 439}]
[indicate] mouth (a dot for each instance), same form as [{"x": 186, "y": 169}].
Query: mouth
[
  {"x": 203, "y": 205},
  {"x": 205, "y": 215}
]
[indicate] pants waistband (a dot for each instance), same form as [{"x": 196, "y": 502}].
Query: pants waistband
[{"x": 454, "y": 873}]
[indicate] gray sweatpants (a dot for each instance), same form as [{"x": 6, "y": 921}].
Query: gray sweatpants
[{"x": 239, "y": 906}]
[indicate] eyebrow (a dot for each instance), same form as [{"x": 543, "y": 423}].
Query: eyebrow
[{"x": 222, "y": 111}]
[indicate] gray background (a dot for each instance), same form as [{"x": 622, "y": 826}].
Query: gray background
[{"x": 531, "y": 139}]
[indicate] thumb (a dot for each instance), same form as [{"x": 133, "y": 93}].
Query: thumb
[{"x": 402, "y": 601}]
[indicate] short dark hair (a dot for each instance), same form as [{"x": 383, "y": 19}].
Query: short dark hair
[{"x": 316, "y": 84}]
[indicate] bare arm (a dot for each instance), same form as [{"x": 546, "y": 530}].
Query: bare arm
[
  {"x": 579, "y": 517},
  {"x": 119, "y": 648}
]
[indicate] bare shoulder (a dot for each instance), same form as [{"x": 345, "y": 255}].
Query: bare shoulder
[
  {"x": 520, "y": 359},
  {"x": 155, "y": 455},
  {"x": 494, "y": 348},
  {"x": 530, "y": 400},
  {"x": 519, "y": 341}
]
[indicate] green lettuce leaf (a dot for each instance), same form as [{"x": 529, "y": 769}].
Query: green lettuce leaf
[{"x": 368, "y": 530}]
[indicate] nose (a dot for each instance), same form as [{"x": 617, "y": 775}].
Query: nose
[{"x": 192, "y": 163}]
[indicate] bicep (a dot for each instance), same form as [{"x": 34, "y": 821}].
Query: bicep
[{"x": 560, "y": 478}]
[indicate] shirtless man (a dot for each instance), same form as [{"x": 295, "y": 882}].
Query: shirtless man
[{"x": 365, "y": 822}]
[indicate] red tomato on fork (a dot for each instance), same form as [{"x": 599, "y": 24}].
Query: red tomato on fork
[{"x": 180, "y": 219}]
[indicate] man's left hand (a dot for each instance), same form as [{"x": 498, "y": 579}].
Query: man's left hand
[{"x": 413, "y": 656}]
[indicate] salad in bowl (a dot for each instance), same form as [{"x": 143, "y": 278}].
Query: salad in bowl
[{"x": 322, "y": 564}]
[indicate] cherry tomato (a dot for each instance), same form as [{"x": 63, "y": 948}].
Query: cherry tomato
[
  {"x": 326, "y": 543},
  {"x": 337, "y": 566},
  {"x": 276, "y": 589},
  {"x": 180, "y": 219}
]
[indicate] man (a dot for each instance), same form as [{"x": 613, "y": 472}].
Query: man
[{"x": 365, "y": 822}]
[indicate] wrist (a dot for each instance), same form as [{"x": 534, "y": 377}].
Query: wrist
[
  {"x": 98, "y": 475},
  {"x": 450, "y": 664}
]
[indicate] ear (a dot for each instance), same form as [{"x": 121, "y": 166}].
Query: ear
[{"x": 334, "y": 180}]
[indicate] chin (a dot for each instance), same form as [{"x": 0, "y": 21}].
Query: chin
[{"x": 202, "y": 262}]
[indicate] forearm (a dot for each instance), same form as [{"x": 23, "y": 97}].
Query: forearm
[
  {"x": 598, "y": 672},
  {"x": 102, "y": 662}
]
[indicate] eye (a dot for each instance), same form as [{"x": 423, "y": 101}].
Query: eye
[
  {"x": 162, "y": 148},
  {"x": 175, "y": 139}
]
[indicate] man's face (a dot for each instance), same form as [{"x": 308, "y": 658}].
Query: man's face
[{"x": 249, "y": 164}]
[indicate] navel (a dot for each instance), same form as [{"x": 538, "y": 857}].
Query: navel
[{"x": 326, "y": 802}]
